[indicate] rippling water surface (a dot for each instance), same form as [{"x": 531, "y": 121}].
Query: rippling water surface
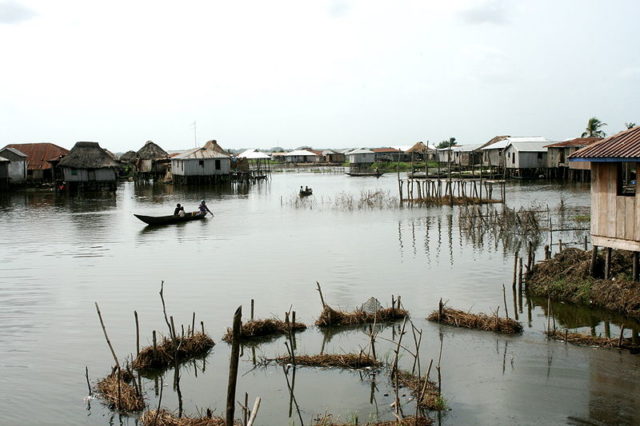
[{"x": 59, "y": 255}]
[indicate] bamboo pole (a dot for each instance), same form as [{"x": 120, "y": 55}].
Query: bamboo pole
[{"x": 233, "y": 366}]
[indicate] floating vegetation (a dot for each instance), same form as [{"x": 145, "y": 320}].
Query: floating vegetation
[
  {"x": 369, "y": 199},
  {"x": 334, "y": 318},
  {"x": 594, "y": 341},
  {"x": 167, "y": 418},
  {"x": 480, "y": 321},
  {"x": 354, "y": 361},
  {"x": 425, "y": 391},
  {"x": 328, "y": 420},
  {"x": 566, "y": 277},
  {"x": 169, "y": 351},
  {"x": 450, "y": 201},
  {"x": 264, "y": 328},
  {"x": 120, "y": 395}
]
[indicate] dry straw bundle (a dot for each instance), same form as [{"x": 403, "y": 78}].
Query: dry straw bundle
[
  {"x": 588, "y": 340},
  {"x": 426, "y": 391},
  {"x": 342, "y": 361},
  {"x": 264, "y": 328},
  {"x": 165, "y": 354},
  {"x": 167, "y": 418},
  {"x": 333, "y": 318},
  {"x": 480, "y": 321},
  {"x": 120, "y": 395}
]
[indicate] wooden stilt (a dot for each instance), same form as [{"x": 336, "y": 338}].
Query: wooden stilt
[{"x": 607, "y": 264}]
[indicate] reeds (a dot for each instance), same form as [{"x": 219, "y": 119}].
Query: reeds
[
  {"x": 120, "y": 395},
  {"x": 169, "y": 351},
  {"x": 167, "y": 418},
  {"x": 264, "y": 328},
  {"x": 334, "y": 318},
  {"x": 449, "y": 200},
  {"x": 353, "y": 361},
  {"x": 480, "y": 321}
]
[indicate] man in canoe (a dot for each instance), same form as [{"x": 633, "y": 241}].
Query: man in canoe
[
  {"x": 203, "y": 208},
  {"x": 179, "y": 211}
]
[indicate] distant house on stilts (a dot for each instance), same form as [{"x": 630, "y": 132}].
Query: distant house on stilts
[
  {"x": 151, "y": 161},
  {"x": 88, "y": 167},
  {"x": 209, "y": 164},
  {"x": 615, "y": 202}
]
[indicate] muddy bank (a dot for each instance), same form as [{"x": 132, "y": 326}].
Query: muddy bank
[{"x": 566, "y": 278}]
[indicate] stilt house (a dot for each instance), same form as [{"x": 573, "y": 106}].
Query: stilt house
[
  {"x": 558, "y": 158},
  {"x": 152, "y": 160},
  {"x": 89, "y": 167},
  {"x": 361, "y": 156},
  {"x": 615, "y": 202},
  {"x": 200, "y": 165},
  {"x": 41, "y": 159},
  {"x": 17, "y": 168}
]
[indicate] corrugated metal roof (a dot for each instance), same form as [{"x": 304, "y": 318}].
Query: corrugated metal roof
[
  {"x": 15, "y": 151},
  {"x": 253, "y": 154},
  {"x": 383, "y": 150},
  {"x": 361, "y": 151},
  {"x": 530, "y": 146},
  {"x": 199, "y": 154},
  {"x": 38, "y": 154},
  {"x": 534, "y": 142},
  {"x": 301, "y": 153},
  {"x": 625, "y": 144},
  {"x": 576, "y": 143}
]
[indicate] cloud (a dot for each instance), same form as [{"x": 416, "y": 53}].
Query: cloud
[
  {"x": 12, "y": 12},
  {"x": 488, "y": 12},
  {"x": 338, "y": 8},
  {"x": 630, "y": 72}
]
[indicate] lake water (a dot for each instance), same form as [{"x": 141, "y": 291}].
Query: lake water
[{"x": 59, "y": 255}]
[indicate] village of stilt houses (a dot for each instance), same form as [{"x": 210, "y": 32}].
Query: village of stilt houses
[{"x": 393, "y": 285}]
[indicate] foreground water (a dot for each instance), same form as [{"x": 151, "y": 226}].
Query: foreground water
[{"x": 59, "y": 255}]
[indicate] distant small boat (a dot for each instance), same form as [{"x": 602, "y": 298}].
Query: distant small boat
[
  {"x": 306, "y": 192},
  {"x": 361, "y": 174},
  {"x": 168, "y": 220}
]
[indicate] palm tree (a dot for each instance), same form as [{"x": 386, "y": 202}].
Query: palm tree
[
  {"x": 447, "y": 143},
  {"x": 630, "y": 125},
  {"x": 593, "y": 129}
]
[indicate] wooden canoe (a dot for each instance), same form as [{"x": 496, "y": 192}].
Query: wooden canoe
[
  {"x": 362, "y": 174},
  {"x": 168, "y": 220}
]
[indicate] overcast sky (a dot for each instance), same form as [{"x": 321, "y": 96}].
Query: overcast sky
[{"x": 323, "y": 73}]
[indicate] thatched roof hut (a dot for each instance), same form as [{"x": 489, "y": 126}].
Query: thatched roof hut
[
  {"x": 88, "y": 155},
  {"x": 128, "y": 157},
  {"x": 212, "y": 145},
  {"x": 151, "y": 151}
]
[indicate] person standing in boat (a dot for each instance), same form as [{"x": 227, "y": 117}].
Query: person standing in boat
[{"x": 203, "y": 208}]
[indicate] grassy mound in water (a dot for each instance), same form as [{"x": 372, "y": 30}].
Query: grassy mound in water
[
  {"x": 165, "y": 353},
  {"x": 264, "y": 328},
  {"x": 167, "y": 418},
  {"x": 325, "y": 360},
  {"x": 565, "y": 277},
  {"x": 118, "y": 394},
  {"x": 481, "y": 321},
  {"x": 333, "y": 318}
]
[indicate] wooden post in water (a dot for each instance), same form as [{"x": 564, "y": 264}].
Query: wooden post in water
[
  {"x": 135, "y": 313},
  {"x": 252, "y": 305},
  {"x": 607, "y": 263},
  {"x": 594, "y": 259},
  {"x": 233, "y": 366},
  {"x": 520, "y": 275},
  {"x": 634, "y": 267},
  {"x": 515, "y": 271}
]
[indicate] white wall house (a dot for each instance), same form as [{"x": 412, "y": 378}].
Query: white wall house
[
  {"x": 200, "y": 162},
  {"x": 361, "y": 156},
  {"x": 301, "y": 156},
  {"x": 526, "y": 153},
  {"x": 17, "y": 167}
]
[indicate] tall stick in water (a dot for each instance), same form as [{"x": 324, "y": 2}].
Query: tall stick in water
[
  {"x": 135, "y": 313},
  {"x": 104, "y": 330},
  {"x": 233, "y": 366},
  {"x": 321, "y": 297},
  {"x": 164, "y": 310},
  {"x": 504, "y": 296}
]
